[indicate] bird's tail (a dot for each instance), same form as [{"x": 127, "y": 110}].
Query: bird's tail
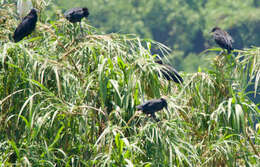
[{"x": 139, "y": 107}]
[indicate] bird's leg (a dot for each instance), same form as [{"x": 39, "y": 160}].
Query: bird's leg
[
  {"x": 154, "y": 117},
  {"x": 81, "y": 29}
]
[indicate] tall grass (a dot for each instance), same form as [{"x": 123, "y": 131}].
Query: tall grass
[{"x": 68, "y": 99}]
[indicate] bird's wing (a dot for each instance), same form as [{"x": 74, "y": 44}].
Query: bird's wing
[
  {"x": 24, "y": 26},
  {"x": 228, "y": 37},
  {"x": 70, "y": 12},
  {"x": 172, "y": 72},
  {"x": 79, "y": 13},
  {"x": 231, "y": 39},
  {"x": 153, "y": 105},
  {"x": 223, "y": 39},
  {"x": 145, "y": 106}
]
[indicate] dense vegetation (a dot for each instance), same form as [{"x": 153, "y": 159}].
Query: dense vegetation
[{"x": 68, "y": 99}]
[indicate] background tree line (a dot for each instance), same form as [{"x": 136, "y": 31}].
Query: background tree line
[{"x": 182, "y": 25}]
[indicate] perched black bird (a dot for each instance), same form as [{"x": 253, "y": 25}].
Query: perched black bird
[
  {"x": 223, "y": 39},
  {"x": 76, "y": 14},
  {"x": 26, "y": 27},
  {"x": 170, "y": 73},
  {"x": 152, "y": 106}
]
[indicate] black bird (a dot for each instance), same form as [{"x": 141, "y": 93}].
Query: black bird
[
  {"x": 76, "y": 14},
  {"x": 26, "y": 27},
  {"x": 223, "y": 39},
  {"x": 170, "y": 73},
  {"x": 152, "y": 106}
]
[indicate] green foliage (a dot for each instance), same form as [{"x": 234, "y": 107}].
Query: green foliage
[{"x": 68, "y": 98}]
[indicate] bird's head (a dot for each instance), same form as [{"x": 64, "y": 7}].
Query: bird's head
[
  {"x": 215, "y": 29},
  {"x": 86, "y": 13},
  {"x": 33, "y": 11},
  {"x": 164, "y": 103}
]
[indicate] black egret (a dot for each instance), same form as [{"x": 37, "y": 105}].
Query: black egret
[
  {"x": 170, "y": 73},
  {"x": 26, "y": 27},
  {"x": 223, "y": 39},
  {"x": 75, "y": 15},
  {"x": 152, "y": 106}
]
